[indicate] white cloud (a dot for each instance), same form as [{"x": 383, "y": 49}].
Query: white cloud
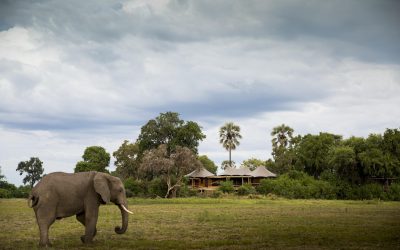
[{"x": 93, "y": 77}]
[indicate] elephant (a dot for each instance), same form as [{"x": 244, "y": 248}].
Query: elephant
[{"x": 59, "y": 195}]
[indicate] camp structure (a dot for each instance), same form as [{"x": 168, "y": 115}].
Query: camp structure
[{"x": 203, "y": 180}]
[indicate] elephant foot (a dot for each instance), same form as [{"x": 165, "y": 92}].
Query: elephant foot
[{"x": 91, "y": 241}]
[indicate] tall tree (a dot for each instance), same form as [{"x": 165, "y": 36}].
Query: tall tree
[
  {"x": 33, "y": 169},
  {"x": 95, "y": 158},
  {"x": 313, "y": 152},
  {"x": 282, "y": 142},
  {"x": 342, "y": 161},
  {"x": 172, "y": 168},
  {"x": 127, "y": 161},
  {"x": 208, "y": 164},
  {"x": 170, "y": 130},
  {"x": 229, "y": 135}
]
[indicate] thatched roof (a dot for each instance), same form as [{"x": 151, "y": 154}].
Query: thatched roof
[
  {"x": 236, "y": 172},
  {"x": 200, "y": 173},
  {"x": 261, "y": 171}
]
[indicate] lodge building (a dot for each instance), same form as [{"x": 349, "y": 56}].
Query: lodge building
[{"x": 203, "y": 180}]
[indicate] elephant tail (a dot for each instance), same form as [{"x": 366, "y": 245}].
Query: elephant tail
[{"x": 32, "y": 200}]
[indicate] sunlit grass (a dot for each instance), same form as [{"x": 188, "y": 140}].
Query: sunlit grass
[{"x": 228, "y": 223}]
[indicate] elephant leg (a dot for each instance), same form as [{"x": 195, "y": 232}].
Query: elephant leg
[
  {"x": 44, "y": 219},
  {"x": 81, "y": 218},
  {"x": 90, "y": 225}
]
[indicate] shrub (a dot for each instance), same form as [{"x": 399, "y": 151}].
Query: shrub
[
  {"x": 297, "y": 185},
  {"x": 246, "y": 189},
  {"x": 185, "y": 191},
  {"x": 226, "y": 187},
  {"x": 157, "y": 187},
  {"x": 216, "y": 194},
  {"x": 393, "y": 192},
  {"x": 134, "y": 187},
  {"x": 4, "y": 193}
]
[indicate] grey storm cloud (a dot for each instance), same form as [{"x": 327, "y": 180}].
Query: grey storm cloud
[{"x": 136, "y": 57}]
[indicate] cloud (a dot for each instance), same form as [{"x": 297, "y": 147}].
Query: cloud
[{"x": 75, "y": 73}]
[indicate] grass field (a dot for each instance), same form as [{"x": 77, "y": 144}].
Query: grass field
[{"x": 227, "y": 223}]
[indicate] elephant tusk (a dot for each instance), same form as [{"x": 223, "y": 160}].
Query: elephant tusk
[{"x": 125, "y": 209}]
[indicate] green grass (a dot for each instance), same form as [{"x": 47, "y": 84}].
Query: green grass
[{"x": 226, "y": 223}]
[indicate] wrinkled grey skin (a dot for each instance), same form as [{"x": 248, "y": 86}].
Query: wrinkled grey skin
[{"x": 59, "y": 195}]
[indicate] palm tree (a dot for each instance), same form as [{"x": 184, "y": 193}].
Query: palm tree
[
  {"x": 229, "y": 136},
  {"x": 282, "y": 135}
]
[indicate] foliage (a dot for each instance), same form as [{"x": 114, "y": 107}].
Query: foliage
[
  {"x": 135, "y": 187},
  {"x": 95, "y": 158},
  {"x": 168, "y": 129},
  {"x": 127, "y": 161},
  {"x": 342, "y": 161},
  {"x": 313, "y": 151},
  {"x": 157, "y": 162},
  {"x": 226, "y": 187},
  {"x": 297, "y": 185},
  {"x": 8, "y": 190},
  {"x": 282, "y": 145},
  {"x": 229, "y": 136},
  {"x": 208, "y": 164},
  {"x": 246, "y": 189},
  {"x": 33, "y": 169},
  {"x": 253, "y": 163}
]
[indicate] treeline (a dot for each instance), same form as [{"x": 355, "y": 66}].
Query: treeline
[{"x": 308, "y": 166}]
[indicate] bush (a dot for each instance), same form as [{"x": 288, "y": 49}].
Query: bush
[
  {"x": 297, "y": 185},
  {"x": 393, "y": 192},
  {"x": 157, "y": 187},
  {"x": 185, "y": 191},
  {"x": 246, "y": 189},
  {"x": 226, "y": 187},
  {"x": 135, "y": 187},
  {"x": 4, "y": 193},
  {"x": 216, "y": 194},
  {"x": 371, "y": 191}
]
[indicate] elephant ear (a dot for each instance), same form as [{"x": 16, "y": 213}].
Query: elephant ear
[{"x": 101, "y": 187}]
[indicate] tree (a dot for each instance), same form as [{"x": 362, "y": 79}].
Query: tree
[
  {"x": 33, "y": 169},
  {"x": 170, "y": 130},
  {"x": 342, "y": 161},
  {"x": 282, "y": 142},
  {"x": 208, "y": 164},
  {"x": 127, "y": 161},
  {"x": 171, "y": 168},
  {"x": 229, "y": 135},
  {"x": 253, "y": 163},
  {"x": 313, "y": 151},
  {"x": 95, "y": 158}
]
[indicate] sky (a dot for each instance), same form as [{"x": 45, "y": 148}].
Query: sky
[{"x": 78, "y": 73}]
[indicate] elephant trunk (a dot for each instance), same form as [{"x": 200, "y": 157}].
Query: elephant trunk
[{"x": 125, "y": 216}]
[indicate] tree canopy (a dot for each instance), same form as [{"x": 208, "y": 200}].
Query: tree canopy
[
  {"x": 33, "y": 170},
  {"x": 170, "y": 130},
  {"x": 208, "y": 164},
  {"x": 127, "y": 161},
  {"x": 95, "y": 158}
]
